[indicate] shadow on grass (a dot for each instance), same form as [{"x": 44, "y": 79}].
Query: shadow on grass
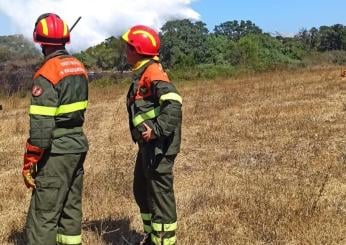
[
  {"x": 113, "y": 232},
  {"x": 17, "y": 238}
]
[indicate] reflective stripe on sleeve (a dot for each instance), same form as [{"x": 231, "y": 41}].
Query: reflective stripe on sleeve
[
  {"x": 55, "y": 111},
  {"x": 145, "y": 116},
  {"x": 63, "y": 109},
  {"x": 42, "y": 110},
  {"x": 64, "y": 239},
  {"x": 171, "y": 96}
]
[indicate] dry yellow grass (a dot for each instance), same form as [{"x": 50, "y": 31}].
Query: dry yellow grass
[{"x": 263, "y": 161}]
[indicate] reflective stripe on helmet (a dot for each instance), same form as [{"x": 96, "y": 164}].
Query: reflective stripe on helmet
[
  {"x": 50, "y": 29},
  {"x": 44, "y": 27},
  {"x": 144, "y": 39},
  {"x": 55, "y": 111},
  {"x": 126, "y": 36},
  {"x": 65, "y": 29},
  {"x": 151, "y": 37}
]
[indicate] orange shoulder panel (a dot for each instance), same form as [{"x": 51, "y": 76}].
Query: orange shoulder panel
[
  {"x": 57, "y": 68},
  {"x": 155, "y": 72}
]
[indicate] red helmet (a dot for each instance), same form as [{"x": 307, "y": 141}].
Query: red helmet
[
  {"x": 50, "y": 29},
  {"x": 144, "y": 39}
]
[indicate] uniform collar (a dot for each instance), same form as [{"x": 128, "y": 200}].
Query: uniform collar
[
  {"x": 56, "y": 53},
  {"x": 143, "y": 63}
]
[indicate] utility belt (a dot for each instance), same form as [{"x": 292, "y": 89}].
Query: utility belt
[{"x": 59, "y": 132}]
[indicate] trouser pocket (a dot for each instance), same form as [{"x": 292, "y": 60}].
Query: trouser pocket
[
  {"x": 164, "y": 164},
  {"x": 47, "y": 193}
]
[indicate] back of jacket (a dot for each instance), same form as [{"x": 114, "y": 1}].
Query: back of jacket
[{"x": 58, "y": 103}]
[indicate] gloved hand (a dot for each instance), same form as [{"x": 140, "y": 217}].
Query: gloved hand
[{"x": 32, "y": 156}]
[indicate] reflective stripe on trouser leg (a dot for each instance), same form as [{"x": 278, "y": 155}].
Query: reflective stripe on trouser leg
[
  {"x": 164, "y": 217},
  {"x": 161, "y": 239},
  {"x": 164, "y": 234},
  {"x": 140, "y": 193},
  {"x": 146, "y": 217},
  {"x": 69, "y": 226},
  {"x": 68, "y": 240},
  {"x": 54, "y": 172}
]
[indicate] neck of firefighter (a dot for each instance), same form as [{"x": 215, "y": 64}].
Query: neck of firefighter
[{"x": 49, "y": 49}]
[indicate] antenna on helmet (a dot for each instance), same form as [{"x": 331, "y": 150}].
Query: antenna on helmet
[{"x": 76, "y": 22}]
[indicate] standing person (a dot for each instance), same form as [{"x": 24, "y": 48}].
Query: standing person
[
  {"x": 56, "y": 149},
  {"x": 154, "y": 107}
]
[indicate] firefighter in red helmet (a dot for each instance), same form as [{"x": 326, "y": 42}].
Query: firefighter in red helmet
[
  {"x": 57, "y": 146},
  {"x": 155, "y": 115}
]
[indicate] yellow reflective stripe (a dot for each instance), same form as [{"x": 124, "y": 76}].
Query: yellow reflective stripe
[
  {"x": 44, "y": 27},
  {"x": 166, "y": 227},
  {"x": 147, "y": 228},
  {"x": 145, "y": 116},
  {"x": 42, "y": 110},
  {"x": 65, "y": 29},
  {"x": 151, "y": 37},
  {"x": 55, "y": 111},
  {"x": 63, "y": 109},
  {"x": 166, "y": 241},
  {"x": 64, "y": 239},
  {"x": 139, "y": 64},
  {"x": 146, "y": 216},
  {"x": 171, "y": 96},
  {"x": 126, "y": 36}
]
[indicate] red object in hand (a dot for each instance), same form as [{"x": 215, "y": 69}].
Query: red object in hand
[{"x": 32, "y": 156}]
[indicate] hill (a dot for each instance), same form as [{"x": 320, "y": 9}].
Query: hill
[
  {"x": 16, "y": 47},
  {"x": 262, "y": 162},
  {"x": 18, "y": 59}
]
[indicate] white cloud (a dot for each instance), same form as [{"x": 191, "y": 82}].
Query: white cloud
[{"x": 100, "y": 19}]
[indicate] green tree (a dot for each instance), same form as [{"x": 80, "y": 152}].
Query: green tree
[
  {"x": 332, "y": 38},
  {"x": 261, "y": 52},
  {"x": 183, "y": 42},
  {"x": 235, "y": 30},
  {"x": 220, "y": 50},
  {"x": 106, "y": 55}
]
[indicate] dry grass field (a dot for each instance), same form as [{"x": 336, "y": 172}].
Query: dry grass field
[{"x": 263, "y": 161}]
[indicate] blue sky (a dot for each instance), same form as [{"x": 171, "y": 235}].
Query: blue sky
[{"x": 286, "y": 17}]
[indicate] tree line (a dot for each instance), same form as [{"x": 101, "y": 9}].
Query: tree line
[
  {"x": 189, "y": 50},
  {"x": 185, "y": 43}
]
